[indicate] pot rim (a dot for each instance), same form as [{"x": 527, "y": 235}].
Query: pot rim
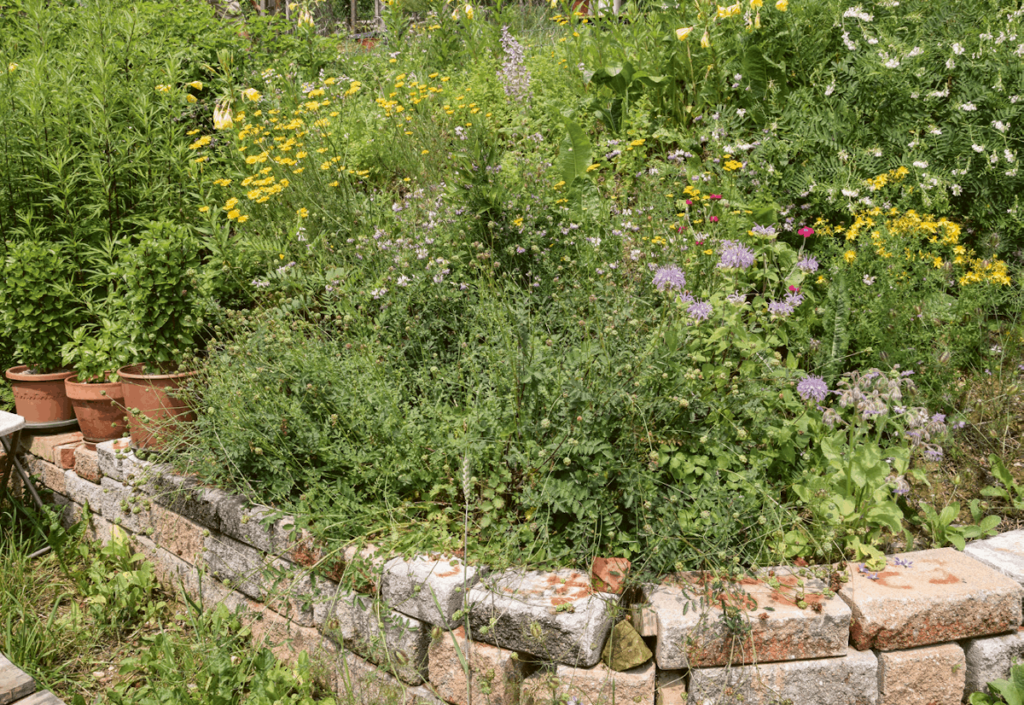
[
  {"x": 18, "y": 373},
  {"x": 73, "y": 381},
  {"x": 134, "y": 373}
]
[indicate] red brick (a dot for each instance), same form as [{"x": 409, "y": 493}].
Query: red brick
[{"x": 45, "y": 446}]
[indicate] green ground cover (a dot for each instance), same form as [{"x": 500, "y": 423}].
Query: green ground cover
[{"x": 696, "y": 286}]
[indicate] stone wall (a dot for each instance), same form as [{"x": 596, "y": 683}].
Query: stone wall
[{"x": 929, "y": 629}]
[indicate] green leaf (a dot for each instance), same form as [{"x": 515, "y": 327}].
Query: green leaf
[{"x": 576, "y": 154}]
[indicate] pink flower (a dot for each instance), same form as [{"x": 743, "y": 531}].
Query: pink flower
[
  {"x": 715, "y": 197},
  {"x": 806, "y": 232},
  {"x": 793, "y": 288},
  {"x": 689, "y": 202},
  {"x": 713, "y": 219}
]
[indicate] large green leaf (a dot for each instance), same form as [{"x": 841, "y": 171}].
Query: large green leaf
[{"x": 576, "y": 154}]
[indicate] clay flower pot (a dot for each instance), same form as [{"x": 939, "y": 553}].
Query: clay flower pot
[
  {"x": 99, "y": 408},
  {"x": 160, "y": 414},
  {"x": 40, "y": 398}
]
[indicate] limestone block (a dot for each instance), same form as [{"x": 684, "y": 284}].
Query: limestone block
[
  {"x": 99, "y": 529},
  {"x": 178, "y": 535},
  {"x": 234, "y": 563},
  {"x": 359, "y": 682},
  {"x": 846, "y": 680},
  {"x": 495, "y": 674},
  {"x": 43, "y": 697},
  {"x": 691, "y": 632},
  {"x": 181, "y": 495},
  {"x": 990, "y": 658},
  {"x": 428, "y": 589},
  {"x": 394, "y": 641},
  {"x": 170, "y": 571},
  {"x": 1004, "y": 553},
  {"x": 943, "y": 596},
  {"x": 86, "y": 463},
  {"x": 126, "y": 506},
  {"x": 923, "y": 676},
  {"x": 590, "y": 686},
  {"x": 255, "y": 526},
  {"x": 553, "y": 615},
  {"x": 108, "y": 461},
  {"x": 52, "y": 476},
  {"x": 670, "y": 688},
  {"x": 82, "y": 491}
]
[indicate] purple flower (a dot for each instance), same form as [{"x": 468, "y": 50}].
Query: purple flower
[
  {"x": 808, "y": 264},
  {"x": 735, "y": 255},
  {"x": 700, "y": 310},
  {"x": 868, "y": 573},
  {"x": 669, "y": 277},
  {"x": 763, "y": 231},
  {"x": 812, "y": 387},
  {"x": 780, "y": 308},
  {"x": 902, "y": 562}
]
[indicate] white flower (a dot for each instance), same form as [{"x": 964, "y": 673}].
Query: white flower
[
  {"x": 857, "y": 13},
  {"x": 1014, "y": 98},
  {"x": 403, "y": 280},
  {"x": 955, "y": 188},
  {"x": 916, "y": 51},
  {"x": 979, "y": 148},
  {"x": 872, "y": 40},
  {"x": 968, "y": 107},
  {"x": 850, "y": 193},
  {"x": 957, "y": 49},
  {"x": 921, "y": 165},
  {"x": 1012, "y": 172},
  {"x": 950, "y": 64},
  {"x": 1000, "y": 125},
  {"x": 994, "y": 159},
  {"x": 939, "y": 94},
  {"x": 829, "y": 90},
  {"x": 741, "y": 112},
  {"x": 850, "y": 44},
  {"x": 935, "y": 131},
  {"x": 868, "y": 281},
  {"x": 912, "y": 144},
  {"x": 1008, "y": 156},
  {"x": 892, "y": 63}
]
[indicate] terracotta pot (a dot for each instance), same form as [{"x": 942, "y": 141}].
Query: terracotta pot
[
  {"x": 99, "y": 408},
  {"x": 40, "y": 398},
  {"x": 160, "y": 415}
]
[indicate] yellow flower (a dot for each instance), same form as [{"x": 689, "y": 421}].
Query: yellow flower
[
  {"x": 11, "y": 67},
  {"x": 731, "y": 11},
  {"x": 782, "y": 5},
  {"x": 232, "y": 214},
  {"x": 637, "y": 143},
  {"x": 204, "y": 209},
  {"x": 302, "y": 213},
  {"x": 198, "y": 85},
  {"x": 593, "y": 166},
  {"x": 243, "y": 218},
  {"x": 189, "y": 98},
  {"x": 705, "y": 41},
  {"x": 232, "y": 202},
  {"x": 425, "y": 151},
  {"x": 251, "y": 94},
  {"x": 849, "y": 255},
  {"x": 162, "y": 88},
  {"x": 222, "y": 117},
  {"x": 455, "y": 16},
  {"x": 683, "y": 32},
  {"x": 756, "y": 4},
  {"x": 469, "y": 12}
]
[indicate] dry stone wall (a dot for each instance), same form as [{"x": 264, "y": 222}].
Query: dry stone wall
[{"x": 929, "y": 629}]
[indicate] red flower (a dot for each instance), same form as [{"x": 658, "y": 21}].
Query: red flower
[
  {"x": 713, "y": 219},
  {"x": 805, "y": 231}
]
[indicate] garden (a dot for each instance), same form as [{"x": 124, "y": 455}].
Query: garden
[{"x": 692, "y": 285}]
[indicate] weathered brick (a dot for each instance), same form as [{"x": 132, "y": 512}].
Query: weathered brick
[
  {"x": 927, "y": 675},
  {"x": 847, "y": 680},
  {"x": 692, "y": 632},
  {"x": 496, "y": 674},
  {"x": 553, "y": 615},
  {"x": 943, "y": 596},
  {"x": 234, "y": 563},
  {"x": 1004, "y": 553},
  {"x": 432, "y": 590},
  {"x": 86, "y": 464},
  {"x": 14, "y": 683},
  {"x": 64, "y": 456},
  {"x": 260, "y": 527},
  {"x": 45, "y": 446},
  {"x": 590, "y": 686},
  {"x": 181, "y": 495},
  {"x": 989, "y": 658}
]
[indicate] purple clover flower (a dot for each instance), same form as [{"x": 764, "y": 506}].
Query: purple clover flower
[
  {"x": 807, "y": 264},
  {"x": 669, "y": 277},
  {"x": 812, "y": 387},
  {"x": 700, "y": 310},
  {"x": 735, "y": 255}
]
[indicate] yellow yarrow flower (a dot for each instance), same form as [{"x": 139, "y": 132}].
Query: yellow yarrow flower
[
  {"x": 849, "y": 256},
  {"x": 302, "y": 213}
]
